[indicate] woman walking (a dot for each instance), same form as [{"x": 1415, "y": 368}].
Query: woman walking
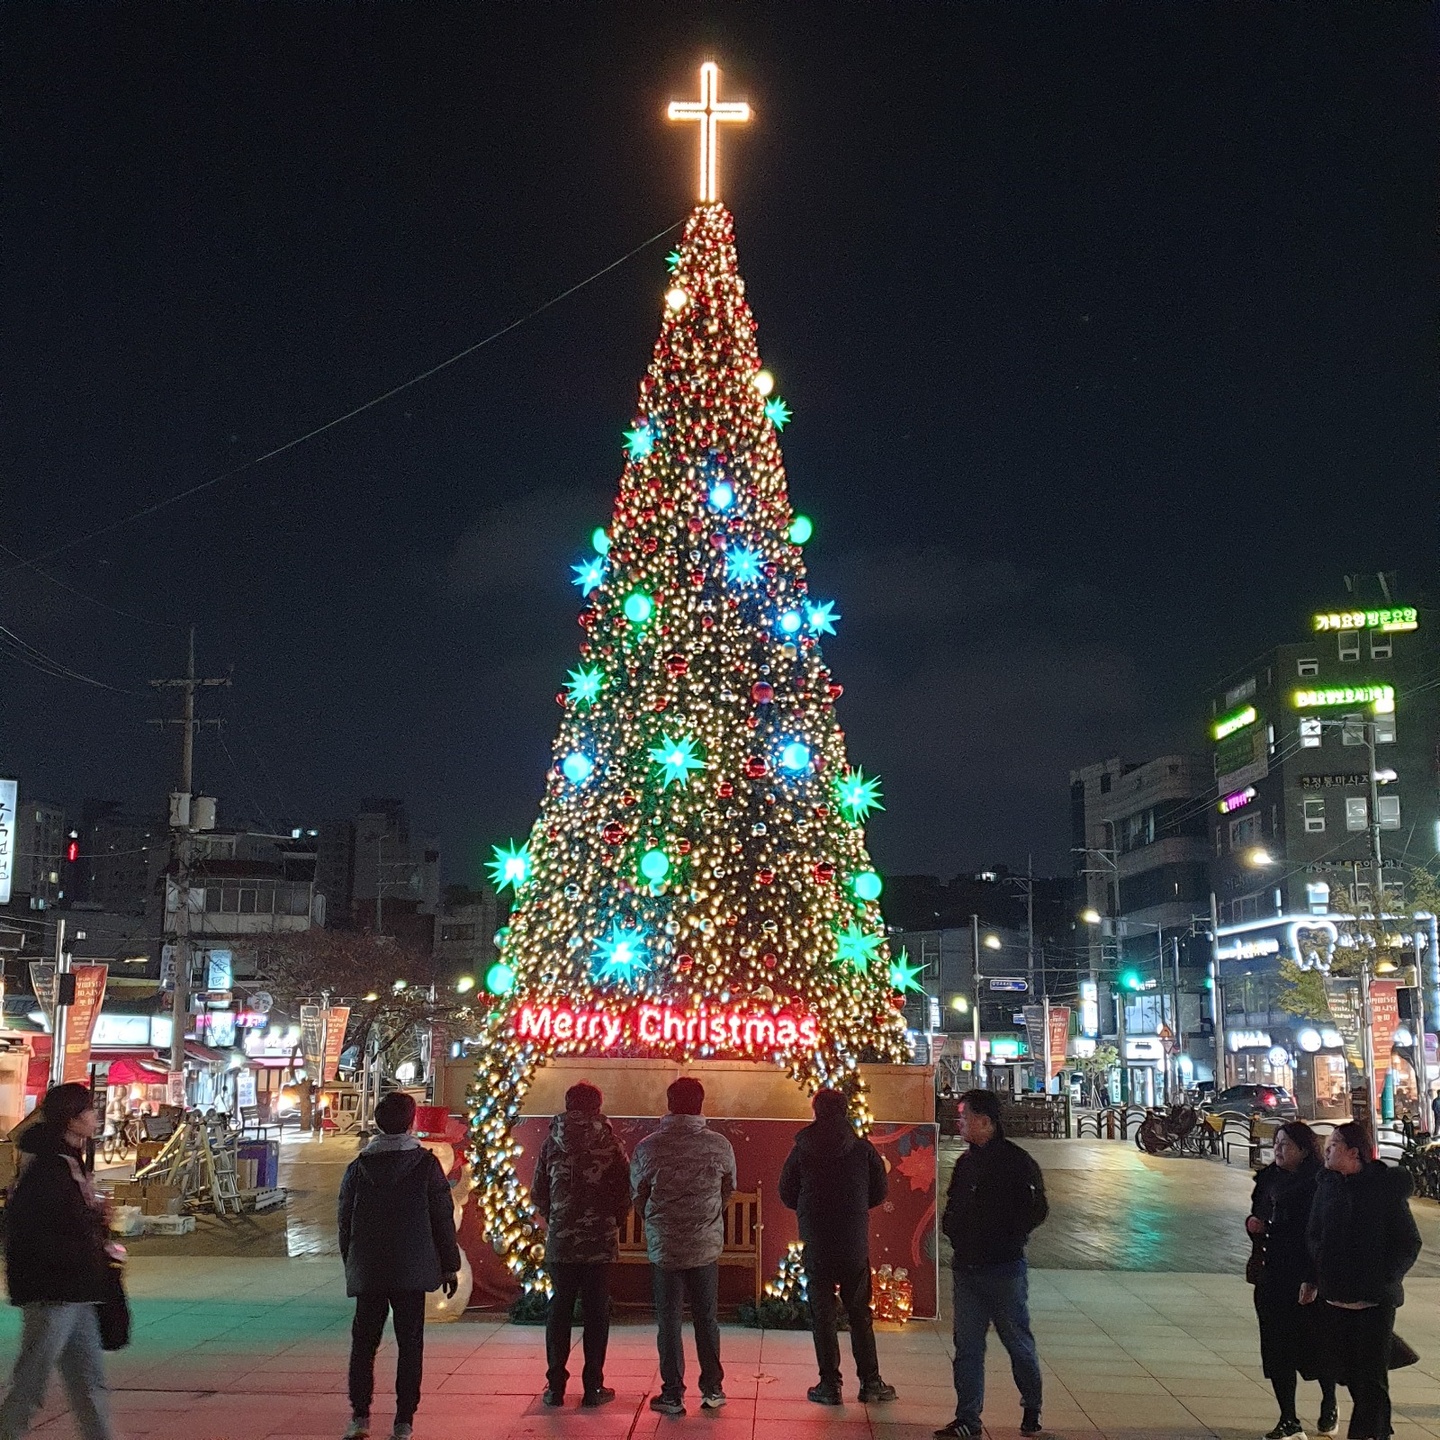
[
  {"x": 56, "y": 1266},
  {"x": 1362, "y": 1239},
  {"x": 1279, "y": 1213}
]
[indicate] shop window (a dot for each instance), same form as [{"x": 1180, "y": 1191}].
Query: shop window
[
  {"x": 1314, "y": 816},
  {"x": 1357, "y": 812},
  {"x": 1380, "y": 645},
  {"x": 1307, "y": 668},
  {"x": 1387, "y": 807},
  {"x": 1349, "y": 644}
]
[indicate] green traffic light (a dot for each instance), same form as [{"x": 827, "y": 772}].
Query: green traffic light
[{"x": 1130, "y": 979}]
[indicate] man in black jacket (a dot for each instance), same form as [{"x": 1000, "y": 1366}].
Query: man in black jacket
[
  {"x": 996, "y": 1198},
  {"x": 832, "y": 1179},
  {"x": 397, "y": 1239},
  {"x": 55, "y": 1264}
]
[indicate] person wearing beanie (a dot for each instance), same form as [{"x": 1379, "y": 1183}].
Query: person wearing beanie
[
  {"x": 582, "y": 1190},
  {"x": 833, "y": 1179},
  {"x": 397, "y": 1239},
  {"x": 683, "y": 1174},
  {"x": 56, "y": 1268}
]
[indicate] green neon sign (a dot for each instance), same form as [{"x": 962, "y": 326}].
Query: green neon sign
[
  {"x": 1229, "y": 724},
  {"x": 1399, "y": 617},
  {"x": 1382, "y": 697}
]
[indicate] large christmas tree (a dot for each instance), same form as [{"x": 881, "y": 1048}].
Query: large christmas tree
[{"x": 696, "y": 884}]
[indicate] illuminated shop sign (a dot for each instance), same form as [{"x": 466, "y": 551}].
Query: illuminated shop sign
[
  {"x": 1403, "y": 617},
  {"x": 1336, "y": 782},
  {"x": 1229, "y": 724},
  {"x": 1248, "y": 949},
  {"x": 1247, "y": 1040},
  {"x": 1382, "y": 697},
  {"x": 1237, "y": 799},
  {"x": 735, "y": 1029}
]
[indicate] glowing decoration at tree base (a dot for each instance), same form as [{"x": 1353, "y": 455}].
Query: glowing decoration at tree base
[
  {"x": 892, "y": 1295},
  {"x": 791, "y": 1284}
]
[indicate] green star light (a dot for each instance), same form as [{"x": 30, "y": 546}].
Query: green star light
[
  {"x": 777, "y": 412},
  {"x": 904, "y": 975},
  {"x": 679, "y": 759},
  {"x": 854, "y": 946},
  {"x": 639, "y": 442},
  {"x": 511, "y": 866},
  {"x": 857, "y": 795},
  {"x": 584, "y": 685},
  {"x": 672, "y": 261},
  {"x": 621, "y": 952}
]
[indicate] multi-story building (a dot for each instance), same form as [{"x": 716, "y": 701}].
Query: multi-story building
[
  {"x": 466, "y": 943},
  {"x": 370, "y": 865},
  {"x": 1324, "y": 749},
  {"x": 122, "y": 857},
  {"x": 41, "y": 836},
  {"x": 1141, "y": 839}
]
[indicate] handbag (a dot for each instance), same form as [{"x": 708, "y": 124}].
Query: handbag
[
  {"x": 113, "y": 1311},
  {"x": 1401, "y": 1353}
]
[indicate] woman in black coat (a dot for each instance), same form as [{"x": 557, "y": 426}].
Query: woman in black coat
[
  {"x": 1362, "y": 1240},
  {"x": 1279, "y": 1213}
]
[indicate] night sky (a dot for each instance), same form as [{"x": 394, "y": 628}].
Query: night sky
[{"x": 1108, "y": 331}]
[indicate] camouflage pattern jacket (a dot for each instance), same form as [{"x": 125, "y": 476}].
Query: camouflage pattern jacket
[
  {"x": 582, "y": 1188},
  {"x": 683, "y": 1174}
]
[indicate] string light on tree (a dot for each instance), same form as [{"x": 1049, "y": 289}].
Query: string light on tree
[{"x": 702, "y": 890}]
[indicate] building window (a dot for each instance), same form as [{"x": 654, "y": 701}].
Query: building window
[
  {"x": 1244, "y": 831},
  {"x": 1317, "y": 896},
  {"x": 1387, "y": 807},
  {"x": 1349, "y": 644},
  {"x": 1352, "y": 729},
  {"x": 1357, "y": 812},
  {"x": 1380, "y": 645},
  {"x": 1105, "y": 784},
  {"x": 1314, "y": 816},
  {"x": 1385, "y": 729},
  {"x": 1311, "y": 733},
  {"x": 1307, "y": 668}
]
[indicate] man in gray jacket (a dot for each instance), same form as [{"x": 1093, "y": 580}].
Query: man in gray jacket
[{"x": 682, "y": 1176}]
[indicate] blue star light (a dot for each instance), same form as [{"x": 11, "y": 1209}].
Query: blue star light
[
  {"x": 722, "y": 495},
  {"x": 589, "y": 574},
  {"x": 821, "y": 618},
  {"x": 584, "y": 685},
  {"x": 621, "y": 952},
  {"x": 678, "y": 759},
  {"x": 511, "y": 866},
  {"x": 743, "y": 566},
  {"x": 777, "y": 412},
  {"x": 639, "y": 442}
]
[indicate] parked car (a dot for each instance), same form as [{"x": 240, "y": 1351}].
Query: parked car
[{"x": 1273, "y": 1102}]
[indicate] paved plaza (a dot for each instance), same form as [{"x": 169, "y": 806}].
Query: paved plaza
[{"x": 1137, "y": 1337}]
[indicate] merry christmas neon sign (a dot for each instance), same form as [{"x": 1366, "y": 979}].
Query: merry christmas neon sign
[{"x": 734, "y": 1029}]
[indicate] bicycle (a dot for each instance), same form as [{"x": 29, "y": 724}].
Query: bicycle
[
  {"x": 118, "y": 1143},
  {"x": 1175, "y": 1129}
]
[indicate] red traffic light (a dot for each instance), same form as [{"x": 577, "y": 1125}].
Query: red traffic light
[{"x": 72, "y": 851}]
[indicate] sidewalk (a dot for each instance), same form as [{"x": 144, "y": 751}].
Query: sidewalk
[{"x": 255, "y": 1349}]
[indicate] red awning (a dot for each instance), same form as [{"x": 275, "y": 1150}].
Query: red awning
[
  {"x": 125, "y": 1071},
  {"x": 194, "y": 1050}
]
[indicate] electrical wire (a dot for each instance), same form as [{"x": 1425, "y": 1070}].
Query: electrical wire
[
  {"x": 25, "y": 564},
  {"x": 318, "y": 430},
  {"x": 11, "y": 644}
]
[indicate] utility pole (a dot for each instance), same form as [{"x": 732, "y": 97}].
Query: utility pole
[
  {"x": 60, "y": 1012},
  {"x": 184, "y": 822},
  {"x": 1217, "y": 995},
  {"x": 1030, "y": 931},
  {"x": 975, "y": 1008}
]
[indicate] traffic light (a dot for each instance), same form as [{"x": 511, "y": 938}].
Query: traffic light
[
  {"x": 1130, "y": 980},
  {"x": 72, "y": 852}
]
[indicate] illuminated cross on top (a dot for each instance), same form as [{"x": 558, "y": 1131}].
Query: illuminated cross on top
[{"x": 709, "y": 111}]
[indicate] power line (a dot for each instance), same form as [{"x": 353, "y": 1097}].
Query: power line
[
  {"x": 339, "y": 419},
  {"x": 27, "y": 654},
  {"x": 80, "y": 594}
]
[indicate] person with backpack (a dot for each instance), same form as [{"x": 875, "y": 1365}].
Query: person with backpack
[
  {"x": 397, "y": 1239},
  {"x": 582, "y": 1190},
  {"x": 833, "y": 1178},
  {"x": 996, "y": 1198},
  {"x": 57, "y": 1268}
]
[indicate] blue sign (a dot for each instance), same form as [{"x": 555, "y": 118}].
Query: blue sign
[{"x": 1009, "y": 982}]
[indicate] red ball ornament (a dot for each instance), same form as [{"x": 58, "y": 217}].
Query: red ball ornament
[
  {"x": 824, "y": 872},
  {"x": 718, "y": 541},
  {"x": 697, "y": 578},
  {"x": 752, "y": 721},
  {"x": 707, "y": 622},
  {"x": 898, "y": 1001},
  {"x": 586, "y": 619},
  {"x": 762, "y": 692},
  {"x": 661, "y": 702},
  {"x": 771, "y": 570},
  {"x": 684, "y": 963},
  {"x": 628, "y": 798},
  {"x": 725, "y": 790},
  {"x": 822, "y": 811},
  {"x": 561, "y": 697},
  {"x": 834, "y": 691},
  {"x": 764, "y": 877},
  {"x": 768, "y": 960},
  {"x": 682, "y": 846},
  {"x": 755, "y": 767},
  {"x": 696, "y": 524},
  {"x": 613, "y": 833},
  {"x": 676, "y": 664}
]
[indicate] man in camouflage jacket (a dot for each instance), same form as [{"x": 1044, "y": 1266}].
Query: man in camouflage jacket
[{"x": 582, "y": 1189}]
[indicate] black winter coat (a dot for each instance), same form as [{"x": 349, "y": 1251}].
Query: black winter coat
[
  {"x": 1282, "y": 1199},
  {"x": 55, "y": 1239},
  {"x": 833, "y": 1179},
  {"x": 1362, "y": 1237},
  {"x": 996, "y": 1198},
  {"x": 397, "y": 1226},
  {"x": 582, "y": 1189}
]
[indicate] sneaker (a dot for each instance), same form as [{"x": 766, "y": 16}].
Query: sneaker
[
  {"x": 1286, "y": 1430},
  {"x": 1030, "y": 1424},
  {"x": 877, "y": 1392},
  {"x": 603, "y": 1396},
  {"x": 403, "y": 1430},
  {"x": 1329, "y": 1420},
  {"x": 957, "y": 1430},
  {"x": 823, "y": 1394},
  {"x": 553, "y": 1398},
  {"x": 358, "y": 1428},
  {"x": 715, "y": 1400},
  {"x": 664, "y": 1404}
]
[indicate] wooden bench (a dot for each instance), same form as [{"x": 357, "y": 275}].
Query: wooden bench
[{"x": 744, "y": 1227}]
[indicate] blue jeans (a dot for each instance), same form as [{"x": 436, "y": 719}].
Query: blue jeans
[
  {"x": 998, "y": 1294},
  {"x": 66, "y": 1334},
  {"x": 671, "y": 1288}
]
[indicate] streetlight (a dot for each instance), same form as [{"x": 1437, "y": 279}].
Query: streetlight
[{"x": 991, "y": 942}]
